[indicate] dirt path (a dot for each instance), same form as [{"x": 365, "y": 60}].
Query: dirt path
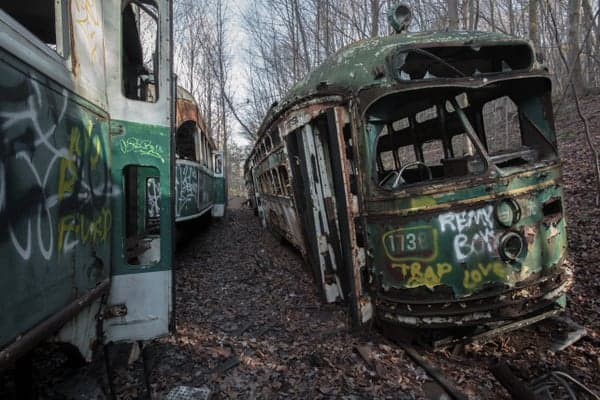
[{"x": 246, "y": 302}]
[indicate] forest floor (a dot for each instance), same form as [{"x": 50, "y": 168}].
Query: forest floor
[{"x": 250, "y": 323}]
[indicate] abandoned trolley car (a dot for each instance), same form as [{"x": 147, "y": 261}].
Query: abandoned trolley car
[
  {"x": 418, "y": 174},
  {"x": 89, "y": 173}
]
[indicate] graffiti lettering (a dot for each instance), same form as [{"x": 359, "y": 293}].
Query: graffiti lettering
[
  {"x": 86, "y": 16},
  {"x": 474, "y": 231},
  {"x": 41, "y": 146},
  {"x": 459, "y": 222},
  {"x": 417, "y": 274},
  {"x": 153, "y": 198},
  {"x": 83, "y": 229},
  {"x": 186, "y": 186},
  {"x": 143, "y": 147},
  {"x": 479, "y": 243},
  {"x": 476, "y": 276}
]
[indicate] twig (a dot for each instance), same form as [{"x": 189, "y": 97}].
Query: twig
[
  {"x": 588, "y": 137},
  {"x": 584, "y": 119},
  {"x": 570, "y": 67}
]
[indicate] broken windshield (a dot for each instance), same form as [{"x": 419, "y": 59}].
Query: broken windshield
[
  {"x": 448, "y": 133},
  {"x": 453, "y": 61}
]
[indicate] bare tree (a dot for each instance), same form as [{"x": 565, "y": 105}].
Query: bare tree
[
  {"x": 534, "y": 32},
  {"x": 453, "y": 14},
  {"x": 574, "y": 42}
]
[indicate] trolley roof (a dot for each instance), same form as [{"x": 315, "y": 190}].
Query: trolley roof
[{"x": 368, "y": 63}]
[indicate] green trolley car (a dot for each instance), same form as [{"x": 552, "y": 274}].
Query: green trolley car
[{"x": 418, "y": 174}]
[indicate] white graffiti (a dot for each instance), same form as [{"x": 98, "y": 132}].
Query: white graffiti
[
  {"x": 29, "y": 116},
  {"x": 30, "y": 156},
  {"x": 474, "y": 229},
  {"x": 153, "y": 198},
  {"x": 187, "y": 188}
]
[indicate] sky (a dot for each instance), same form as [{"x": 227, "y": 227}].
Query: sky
[{"x": 238, "y": 38}]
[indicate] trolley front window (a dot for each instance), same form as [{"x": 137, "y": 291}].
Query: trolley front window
[{"x": 449, "y": 133}]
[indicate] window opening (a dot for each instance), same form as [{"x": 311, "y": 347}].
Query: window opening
[
  {"x": 218, "y": 163},
  {"x": 186, "y": 140},
  {"x": 142, "y": 215},
  {"x": 514, "y": 129},
  {"x": 46, "y": 20},
  {"x": 509, "y": 119},
  {"x": 285, "y": 180},
  {"x": 275, "y": 137},
  {"x": 414, "y": 141},
  {"x": 140, "y": 50}
]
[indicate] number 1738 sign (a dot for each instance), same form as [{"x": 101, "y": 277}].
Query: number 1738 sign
[{"x": 414, "y": 243}]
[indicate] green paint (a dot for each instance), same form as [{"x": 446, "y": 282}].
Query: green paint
[
  {"x": 459, "y": 248},
  {"x": 142, "y": 147},
  {"x": 55, "y": 197},
  {"x": 142, "y": 156},
  {"x": 194, "y": 189},
  {"x": 220, "y": 195}
]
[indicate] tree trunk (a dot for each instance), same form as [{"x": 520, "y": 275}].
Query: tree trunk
[
  {"x": 453, "y": 14},
  {"x": 511, "y": 18},
  {"x": 574, "y": 42},
  {"x": 472, "y": 9},
  {"x": 534, "y": 31},
  {"x": 492, "y": 19},
  {"x": 375, "y": 7},
  {"x": 307, "y": 63}
]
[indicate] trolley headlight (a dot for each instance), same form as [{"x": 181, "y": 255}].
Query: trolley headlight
[
  {"x": 512, "y": 246},
  {"x": 508, "y": 212}
]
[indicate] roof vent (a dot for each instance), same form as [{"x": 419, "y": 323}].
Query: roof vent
[{"x": 399, "y": 17}]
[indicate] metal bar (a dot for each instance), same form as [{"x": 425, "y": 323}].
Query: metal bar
[
  {"x": 433, "y": 372},
  {"x": 40, "y": 332},
  {"x": 500, "y": 330}
]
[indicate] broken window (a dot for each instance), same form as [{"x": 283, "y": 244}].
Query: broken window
[
  {"x": 459, "y": 61},
  {"x": 512, "y": 136},
  {"x": 142, "y": 215},
  {"x": 140, "y": 50},
  {"x": 46, "y": 20},
  {"x": 418, "y": 140},
  {"x": 186, "y": 141},
  {"x": 277, "y": 182},
  {"x": 443, "y": 133},
  {"x": 285, "y": 180},
  {"x": 218, "y": 163},
  {"x": 501, "y": 122},
  {"x": 275, "y": 137}
]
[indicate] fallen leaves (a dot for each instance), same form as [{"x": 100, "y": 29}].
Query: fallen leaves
[{"x": 250, "y": 324}]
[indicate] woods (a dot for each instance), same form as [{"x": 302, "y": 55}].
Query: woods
[
  {"x": 274, "y": 43},
  {"x": 282, "y": 40}
]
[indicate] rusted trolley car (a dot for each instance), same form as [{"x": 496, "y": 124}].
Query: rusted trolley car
[
  {"x": 418, "y": 174},
  {"x": 96, "y": 166}
]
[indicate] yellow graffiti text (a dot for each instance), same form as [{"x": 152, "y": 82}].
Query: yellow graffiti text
[
  {"x": 77, "y": 229},
  {"x": 473, "y": 278},
  {"x": 417, "y": 274},
  {"x": 68, "y": 170}
]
